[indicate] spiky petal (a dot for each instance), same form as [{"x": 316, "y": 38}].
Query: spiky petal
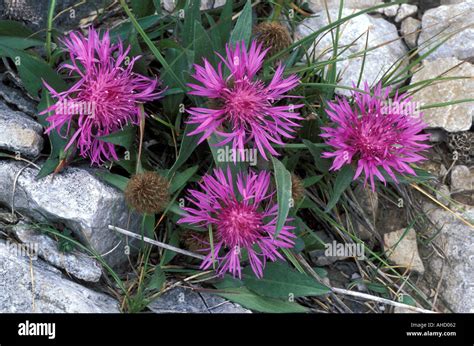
[
  {"x": 243, "y": 219},
  {"x": 105, "y": 97},
  {"x": 376, "y": 133},
  {"x": 245, "y": 107}
]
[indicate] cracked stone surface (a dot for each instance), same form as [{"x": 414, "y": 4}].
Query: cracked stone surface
[
  {"x": 454, "y": 272},
  {"x": 409, "y": 30},
  {"x": 34, "y": 286},
  {"x": 403, "y": 251},
  {"x": 75, "y": 263},
  {"x": 19, "y": 133},
  {"x": 378, "y": 61},
  {"x": 444, "y": 20},
  {"x": 455, "y": 117},
  {"x": 16, "y": 98},
  {"x": 185, "y": 300},
  {"x": 319, "y": 5},
  {"x": 76, "y": 198}
]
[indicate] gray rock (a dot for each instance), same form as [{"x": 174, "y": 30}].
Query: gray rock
[
  {"x": 403, "y": 251},
  {"x": 34, "y": 13},
  {"x": 75, "y": 263},
  {"x": 462, "y": 179},
  {"x": 443, "y": 194},
  {"x": 34, "y": 286},
  {"x": 219, "y": 305},
  {"x": 443, "y": 21},
  {"x": 16, "y": 98},
  {"x": 454, "y": 267},
  {"x": 19, "y": 133},
  {"x": 451, "y": 2},
  {"x": 75, "y": 198},
  {"x": 319, "y": 5},
  {"x": 378, "y": 61},
  {"x": 436, "y": 135},
  {"x": 405, "y": 10},
  {"x": 390, "y": 11},
  {"x": 170, "y": 5},
  {"x": 453, "y": 118},
  {"x": 410, "y": 31},
  {"x": 186, "y": 300}
]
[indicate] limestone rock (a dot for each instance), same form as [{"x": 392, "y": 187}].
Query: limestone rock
[
  {"x": 75, "y": 263},
  {"x": 403, "y": 252},
  {"x": 409, "y": 30},
  {"x": 454, "y": 269},
  {"x": 378, "y": 61},
  {"x": 76, "y": 198},
  {"x": 445, "y": 20},
  {"x": 186, "y": 300},
  {"x": 405, "y": 10},
  {"x": 453, "y": 118},
  {"x": 19, "y": 133},
  {"x": 34, "y": 286}
]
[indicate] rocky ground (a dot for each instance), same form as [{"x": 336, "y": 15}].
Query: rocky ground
[{"x": 439, "y": 254}]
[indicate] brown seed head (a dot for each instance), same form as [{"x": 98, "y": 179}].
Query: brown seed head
[
  {"x": 147, "y": 193},
  {"x": 272, "y": 35},
  {"x": 297, "y": 188}
]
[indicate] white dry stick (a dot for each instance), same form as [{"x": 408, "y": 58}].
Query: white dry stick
[
  {"x": 380, "y": 300},
  {"x": 156, "y": 243}
]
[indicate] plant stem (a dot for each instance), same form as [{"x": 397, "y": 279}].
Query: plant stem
[{"x": 52, "y": 5}]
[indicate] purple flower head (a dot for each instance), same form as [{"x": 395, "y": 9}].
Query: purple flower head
[
  {"x": 243, "y": 217},
  {"x": 104, "y": 98},
  {"x": 376, "y": 132},
  {"x": 243, "y": 105}
]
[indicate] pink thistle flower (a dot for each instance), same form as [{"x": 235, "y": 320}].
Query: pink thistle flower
[
  {"x": 376, "y": 132},
  {"x": 243, "y": 217},
  {"x": 244, "y": 104},
  {"x": 105, "y": 97}
]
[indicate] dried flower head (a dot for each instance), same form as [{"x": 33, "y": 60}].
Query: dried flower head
[
  {"x": 297, "y": 188},
  {"x": 243, "y": 218},
  {"x": 147, "y": 193},
  {"x": 244, "y": 107},
  {"x": 377, "y": 133},
  {"x": 273, "y": 36},
  {"x": 105, "y": 96}
]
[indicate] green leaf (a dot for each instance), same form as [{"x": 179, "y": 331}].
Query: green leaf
[
  {"x": 157, "y": 280},
  {"x": 316, "y": 149},
  {"x": 33, "y": 70},
  {"x": 174, "y": 241},
  {"x": 307, "y": 182},
  {"x": 343, "y": 180},
  {"x": 123, "y": 137},
  {"x": 188, "y": 144},
  {"x": 182, "y": 178},
  {"x": 142, "y": 8},
  {"x": 203, "y": 47},
  {"x": 7, "y": 27},
  {"x": 243, "y": 27},
  {"x": 254, "y": 302},
  {"x": 48, "y": 167},
  {"x": 406, "y": 299},
  {"x": 192, "y": 14},
  {"x": 220, "y": 32},
  {"x": 283, "y": 185},
  {"x": 281, "y": 281},
  {"x": 116, "y": 180},
  {"x": 20, "y": 43}
]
